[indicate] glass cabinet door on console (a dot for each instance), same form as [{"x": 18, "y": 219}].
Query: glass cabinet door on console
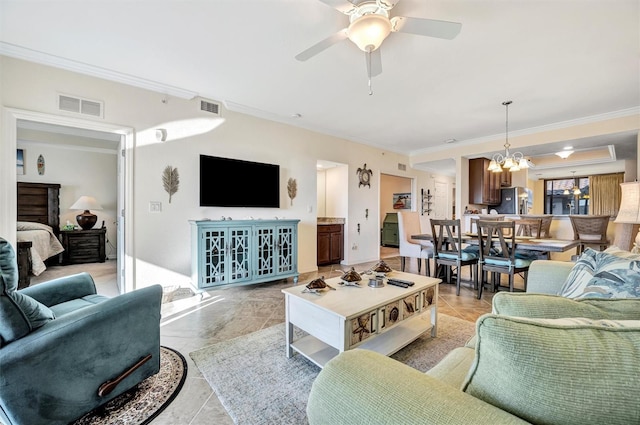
[
  {"x": 226, "y": 255},
  {"x": 285, "y": 248},
  {"x": 275, "y": 250}
]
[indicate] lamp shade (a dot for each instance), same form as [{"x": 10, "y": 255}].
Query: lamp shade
[
  {"x": 86, "y": 220},
  {"x": 86, "y": 203},
  {"x": 629, "y": 211}
]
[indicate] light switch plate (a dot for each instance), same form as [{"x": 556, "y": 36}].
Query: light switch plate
[{"x": 155, "y": 206}]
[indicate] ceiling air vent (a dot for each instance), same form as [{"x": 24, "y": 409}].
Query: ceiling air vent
[
  {"x": 79, "y": 105},
  {"x": 211, "y": 107}
]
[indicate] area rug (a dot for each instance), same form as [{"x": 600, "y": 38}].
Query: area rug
[
  {"x": 257, "y": 384},
  {"x": 141, "y": 404}
]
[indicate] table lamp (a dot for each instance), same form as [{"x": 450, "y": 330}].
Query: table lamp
[
  {"x": 629, "y": 211},
  {"x": 86, "y": 220}
]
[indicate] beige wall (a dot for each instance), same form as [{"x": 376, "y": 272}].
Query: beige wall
[
  {"x": 390, "y": 185},
  {"x": 160, "y": 248}
]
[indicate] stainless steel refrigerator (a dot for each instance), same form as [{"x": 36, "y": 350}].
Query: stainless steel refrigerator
[{"x": 515, "y": 200}]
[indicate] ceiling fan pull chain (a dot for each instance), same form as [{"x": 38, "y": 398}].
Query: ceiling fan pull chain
[{"x": 368, "y": 53}]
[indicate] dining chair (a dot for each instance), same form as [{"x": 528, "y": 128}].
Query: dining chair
[
  {"x": 529, "y": 227},
  {"x": 497, "y": 243},
  {"x": 545, "y": 227},
  {"x": 409, "y": 224},
  {"x": 590, "y": 230},
  {"x": 474, "y": 222},
  {"x": 448, "y": 251}
]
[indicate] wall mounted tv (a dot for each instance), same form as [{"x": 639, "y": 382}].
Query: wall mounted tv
[{"x": 226, "y": 182}]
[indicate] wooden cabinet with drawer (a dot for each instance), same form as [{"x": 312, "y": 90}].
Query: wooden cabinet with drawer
[{"x": 83, "y": 246}]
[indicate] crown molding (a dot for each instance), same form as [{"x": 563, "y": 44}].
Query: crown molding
[
  {"x": 533, "y": 130},
  {"x": 24, "y": 53}
]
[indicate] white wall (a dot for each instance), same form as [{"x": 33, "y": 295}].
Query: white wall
[
  {"x": 336, "y": 195},
  {"x": 161, "y": 245},
  {"x": 321, "y": 193},
  {"x": 79, "y": 171}
]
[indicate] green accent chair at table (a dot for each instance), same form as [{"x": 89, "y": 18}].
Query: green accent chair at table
[{"x": 65, "y": 350}]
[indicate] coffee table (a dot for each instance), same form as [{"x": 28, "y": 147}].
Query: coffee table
[{"x": 380, "y": 319}]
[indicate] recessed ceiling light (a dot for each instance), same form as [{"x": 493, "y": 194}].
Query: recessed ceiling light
[
  {"x": 296, "y": 115},
  {"x": 449, "y": 141}
]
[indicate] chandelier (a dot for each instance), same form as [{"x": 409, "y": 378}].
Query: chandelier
[
  {"x": 575, "y": 189},
  {"x": 510, "y": 161}
]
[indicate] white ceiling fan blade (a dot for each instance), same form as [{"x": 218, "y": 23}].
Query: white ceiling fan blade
[
  {"x": 388, "y": 4},
  {"x": 343, "y": 6},
  {"x": 322, "y": 45},
  {"x": 429, "y": 27},
  {"x": 374, "y": 63}
]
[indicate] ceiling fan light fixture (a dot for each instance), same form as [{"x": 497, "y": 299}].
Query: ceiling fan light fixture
[{"x": 369, "y": 31}]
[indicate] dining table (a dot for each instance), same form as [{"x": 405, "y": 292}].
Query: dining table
[{"x": 522, "y": 242}]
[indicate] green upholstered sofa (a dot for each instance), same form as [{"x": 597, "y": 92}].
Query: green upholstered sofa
[
  {"x": 60, "y": 342},
  {"x": 537, "y": 358}
]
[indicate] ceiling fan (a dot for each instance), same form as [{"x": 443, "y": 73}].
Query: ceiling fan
[{"x": 369, "y": 25}]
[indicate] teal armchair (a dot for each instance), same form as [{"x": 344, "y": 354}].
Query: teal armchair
[{"x": 65, "y": 350}]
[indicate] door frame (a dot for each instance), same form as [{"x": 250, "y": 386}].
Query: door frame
[{"x": 8, "y": 180}]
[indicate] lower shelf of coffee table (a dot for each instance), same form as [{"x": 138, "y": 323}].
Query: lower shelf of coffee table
[{"x": 385, "y": 343}]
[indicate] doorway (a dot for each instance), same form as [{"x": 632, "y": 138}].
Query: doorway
[
  {"x": 396, "y": 194},
  {"x": 123, "y": 136}
]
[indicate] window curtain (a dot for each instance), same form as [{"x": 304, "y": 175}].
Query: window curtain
[{"x": 605, "y": 194}]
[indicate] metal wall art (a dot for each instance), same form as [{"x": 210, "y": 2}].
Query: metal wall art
[
  {"x": 170, "y": 180},
  {"x": 292, "y": 189},
  {"x": 365, "y": 176}
]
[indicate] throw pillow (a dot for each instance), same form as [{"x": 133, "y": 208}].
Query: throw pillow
[
  {"x": 612, "y": 273},
  {"x": 19, "y": 313},
  {"x": 562, "y": 371},
  {"x": 555, "y": 307},
  {"x": 37, "y": 313}
]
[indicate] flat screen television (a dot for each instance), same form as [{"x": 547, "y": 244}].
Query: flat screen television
[{"x": 226, "y": 182}]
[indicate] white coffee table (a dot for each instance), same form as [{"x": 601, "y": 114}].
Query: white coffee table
[{"x": 380, "y": 319}]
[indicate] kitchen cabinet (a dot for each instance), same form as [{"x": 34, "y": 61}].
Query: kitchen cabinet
[
  {"x": 505, "y": 178},
  {"x": 330, "y": 243},
  {"x": 484, "y": 185}
]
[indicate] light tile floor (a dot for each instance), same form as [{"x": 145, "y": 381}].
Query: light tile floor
[
  {"x": 221, "y": 314},
  {"x": 230, "y": 312}
]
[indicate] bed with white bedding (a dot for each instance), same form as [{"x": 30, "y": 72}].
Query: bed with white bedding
[
  {"x": 44, "y": 243},
  {"x": 38, "y": 205}
]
